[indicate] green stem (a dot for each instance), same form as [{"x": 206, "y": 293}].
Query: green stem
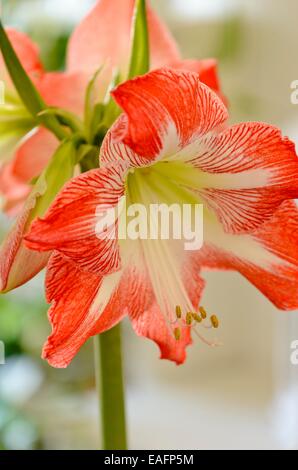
[{"x": 109, "y": 381}]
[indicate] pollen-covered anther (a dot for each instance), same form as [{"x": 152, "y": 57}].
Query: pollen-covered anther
[
  {"x": 178, "y": 312},
  {"x": 214, "y": 321},
  {"x": 177, "y": 334},
  {"x": 188, "y": 318},
  {"x": 196, "y": 318},
  {"x": 203, "y": 313}
]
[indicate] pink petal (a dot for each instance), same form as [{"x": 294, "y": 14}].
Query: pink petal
[
  {"x": 64, "y": 90},
  {"x": 13, "y": 191},
  {"x": 166, "y": 110},
  {"x": 95, "y": 43},
  {"x": 268, "y": 258},
  {"x": 34, "y": 154},
  {"x": 26, "y": 51},
  {"x": 18, "y": 264},
  {"x": 69, "y": 226}
]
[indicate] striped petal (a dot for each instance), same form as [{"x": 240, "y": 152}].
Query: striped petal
[
  {"x": 166, "y": 110},
  {"x": 268, "y": 257},
  {"x": 244, "y": 173},
  {"x": 70, "y": 225}
]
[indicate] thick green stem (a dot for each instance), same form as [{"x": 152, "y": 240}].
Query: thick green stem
[{"x": 109, "y": 381}]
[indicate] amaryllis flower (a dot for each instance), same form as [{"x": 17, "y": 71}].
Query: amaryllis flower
[
  {"x": 93, "y": 46},
  {"x": 169, "y": 147}
]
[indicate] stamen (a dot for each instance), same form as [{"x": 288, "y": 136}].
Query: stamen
[
  {"x": 188, "y": 318},
  {"x": 196, "y": 317},
  {"x": 203, "y": 312},
  {"x": 177, "y": 333},
  {"x": 178, "y": 312},
  {"x": 212, "y": 344},
  {"x": 214, "y": 321}
]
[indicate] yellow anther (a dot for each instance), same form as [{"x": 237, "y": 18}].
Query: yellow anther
[
  {"x": 203, "y": 312},
  {"x": 214, "y": 321},
  {"x": 196, "y": 317},
  {"x": 188, "y": 318},
  {"x": 177, "y": 334},
  {"x": 178, "y": 312}
]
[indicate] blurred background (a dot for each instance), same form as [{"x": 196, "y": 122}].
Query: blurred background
[{"x": 243, "y": 395}]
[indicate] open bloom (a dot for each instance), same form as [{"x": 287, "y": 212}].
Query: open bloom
[
  {"x": 92, "y": 45},
  {"x": 29, "y": 149},
  {"x": 171, "y": 145}
]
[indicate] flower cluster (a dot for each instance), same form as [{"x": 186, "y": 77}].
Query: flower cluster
[{"x": 160, "y": 137}]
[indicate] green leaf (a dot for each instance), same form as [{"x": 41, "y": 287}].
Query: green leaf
[
  {"x": 25, "y": 88},
  {"x": 89, "y": 98},
  {"x": 53, "y": 178},
  {"x": 140, "y": 57},
  {"x": 65, "y": 118}
]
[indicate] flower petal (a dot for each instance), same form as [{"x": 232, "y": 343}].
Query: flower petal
[
  {"x": 150, "y": 322},
  {"x": 18, "y": 264},
  {"x": 13, "y": 191},
  {"x": 34, "y": 154},
  {"x": 78, "y": 299},
  {"x": 246, "y": 172},
  {"x": 64, "y": 90},
  {"x": 206, "y": 68},
  {"x": 69, "y": 226},
  {"x": 27, "y": 53},
  {"x": 268, "y": 257},
  {"x": 95, "y": 43},
  {"x": 165, "y": 111}
]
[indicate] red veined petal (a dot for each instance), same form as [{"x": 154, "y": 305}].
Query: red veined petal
[
  {"x": 268, "y": 257},
  {"x": 69, "y": 225},
  {"x": 247, "y": 172},
  {"x": 95, "y": 43},
  {"x": 75, "y": 311},
  {"x": 206, "y": 68},
  {"x": 150, "y": 322},
  {"x": 165, "y": 111}
]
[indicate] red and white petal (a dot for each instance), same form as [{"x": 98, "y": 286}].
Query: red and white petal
[
  {"x": 79, "y": 308},
  {"x": 246, "y": 172},
  {"x": 268, "y": 257},
  {"x": 113, "y": 150},
  {"x": 165, "y": 111},
  {"x": 34, "y": 154},
  {"x": 85, "y": 304},
  {"x": 70, "y": 225},
  {"x": 151, "y": 322},
  {"x": 95, "y": 43},
  {"x": 27, "y": 53},
  {"x": 206, "y": 68},
  {"x": 18, "y": 264}
]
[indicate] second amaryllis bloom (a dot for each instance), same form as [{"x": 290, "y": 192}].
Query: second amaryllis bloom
[{"x": 171, "y": 145}]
